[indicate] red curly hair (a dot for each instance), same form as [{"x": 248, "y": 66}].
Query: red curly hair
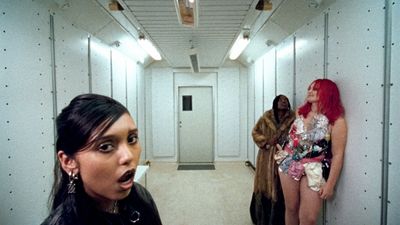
[{"x": 329, "y": 102}]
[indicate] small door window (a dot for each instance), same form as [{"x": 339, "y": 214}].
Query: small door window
[{"x": 187, "y": 103}]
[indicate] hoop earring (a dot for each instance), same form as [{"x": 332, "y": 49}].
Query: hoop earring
[{"x": 71, "y": 184}]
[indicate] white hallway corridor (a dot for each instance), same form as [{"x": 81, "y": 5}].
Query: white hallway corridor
[{"x": 202, "y": 197}]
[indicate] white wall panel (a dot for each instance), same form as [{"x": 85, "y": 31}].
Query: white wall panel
[
  {"x": 309, "y": 55},
  {"x": 251, "y": 120},
  {"x": 26, "y": 125},
  {"x": 258, "y": 95},
  {"x": 355, "y": 55},
  {"x": 259, "y": 88},
  {"x": 269, "y": 79},
  {"x": 193, "y": 79},
  {"x": 162, "y": 107},
  {"x": 394, "y": 124},
  {"x": 228, "y": 113},
  {"x": 131, "y": 88},
  {"x": 118, "y": 67},
  {"x": 243, "y": 129},
  {"x": 148, "y": 115},
  {"x": 285, "y": 68},
  {"x": 100, "y": 67},
  {"x": 71, "y": 59},
  {"x": 141, "y": 115}
]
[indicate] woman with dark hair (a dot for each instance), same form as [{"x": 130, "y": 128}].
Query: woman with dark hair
[
  {"x": 267, "y": 205},
  {"x": 317, "y": 140},
  {"x": 97, "y": 154}
]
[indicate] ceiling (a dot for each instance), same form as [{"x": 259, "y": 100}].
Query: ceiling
[{"x": 220, "y": 22}]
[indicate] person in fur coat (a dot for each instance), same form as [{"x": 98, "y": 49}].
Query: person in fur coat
[{"x": 267, "y": 204}]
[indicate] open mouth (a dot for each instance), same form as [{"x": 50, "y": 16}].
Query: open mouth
[{"x": 127, "y": 176}]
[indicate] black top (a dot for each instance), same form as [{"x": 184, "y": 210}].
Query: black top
[{"x": 136, "y": 209}]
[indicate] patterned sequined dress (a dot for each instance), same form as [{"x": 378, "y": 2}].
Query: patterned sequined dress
[{"x": 305, "y": 150}]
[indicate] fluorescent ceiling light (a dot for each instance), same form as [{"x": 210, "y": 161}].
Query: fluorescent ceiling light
[
  {"x": 149, "y": 47},
  {"x": 132, "y": 48},
  {"x": 240, "y": 44},
  {"x": 187, "y": 12}
]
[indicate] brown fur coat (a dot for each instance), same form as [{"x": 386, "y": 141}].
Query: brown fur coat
[{"x": 265, "y": 134}]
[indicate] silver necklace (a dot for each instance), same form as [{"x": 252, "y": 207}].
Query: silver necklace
[{"x": 114, "y": 209}]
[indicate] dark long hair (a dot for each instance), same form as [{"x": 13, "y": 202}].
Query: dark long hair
[
  {"x": 86, "y": 117},
  {"x": 329, "y": 102},
  {"x": 275, "y": 107}
]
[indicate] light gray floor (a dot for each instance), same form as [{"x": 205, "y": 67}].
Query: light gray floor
[{"x": 202, "y": 197}]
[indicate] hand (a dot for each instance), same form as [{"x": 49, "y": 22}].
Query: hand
[
  {"x": 273, "y": 140},
  {"x": 326, "y": 191}
]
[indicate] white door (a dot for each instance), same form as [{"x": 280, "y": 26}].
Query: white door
[{"x": 195, "y": 125}]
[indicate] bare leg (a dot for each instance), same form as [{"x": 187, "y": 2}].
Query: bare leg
[
  {"x": 291, "y": 193},
  {"x": 310, "y": 204}
]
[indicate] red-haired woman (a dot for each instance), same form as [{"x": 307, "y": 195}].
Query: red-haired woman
[{"x": 317, "y": 139}]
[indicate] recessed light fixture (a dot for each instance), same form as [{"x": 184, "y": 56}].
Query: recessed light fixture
[
  {"x": 187, "y": 11},
  {"x": 264, "y": 5},
  {"x": 115, "y": 6}
]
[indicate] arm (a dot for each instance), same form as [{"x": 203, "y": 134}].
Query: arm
[
  {"x": 264, "y": 132},
  {"x": 339, "y": 139},
  {"x": 258, "y": 135}
]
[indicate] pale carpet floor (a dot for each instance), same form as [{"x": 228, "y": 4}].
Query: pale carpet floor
[{"x": 202, "y": 197}]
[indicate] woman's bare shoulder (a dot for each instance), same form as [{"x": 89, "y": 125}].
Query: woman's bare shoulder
[{"x": 340, "y": 122}]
